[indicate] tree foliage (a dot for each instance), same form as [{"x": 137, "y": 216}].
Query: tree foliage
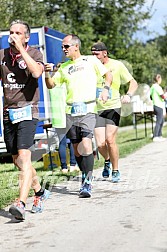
[{"x": 112, "y": 21}]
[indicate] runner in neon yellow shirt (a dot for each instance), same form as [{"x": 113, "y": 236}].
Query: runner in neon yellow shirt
[
  {"x": 80, "y": 75},
  {"x": 109, "y": 113},
  {"x": 121, "y": 76}
]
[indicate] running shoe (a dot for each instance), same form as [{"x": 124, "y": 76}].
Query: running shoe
[
  {"x": 115, "y": 176},
  {"x": 159, "y": 139},
  {"x": 64, "y": 170},
  {"x": 74, "y": 168},
  {"x": 107, "y": 170},
  {"x": 38, "y": 204},
  {"x": 85, "y": 191},
  {"x": 18, "y": 210}
]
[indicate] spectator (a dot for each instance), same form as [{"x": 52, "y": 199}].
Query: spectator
[
  {"x": 63, "y": 145},
  {"x": 158, "y": 96}
]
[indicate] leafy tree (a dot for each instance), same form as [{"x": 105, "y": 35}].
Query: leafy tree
[
  {"x": 115, "y": 23},
  {"x": 146, "y": 61},
  {"x": 112, "y": 21},
  {"x": 33, "y": 11},
  {"x": 74, "y": 17},
  {"x": 161, "y": 41}
]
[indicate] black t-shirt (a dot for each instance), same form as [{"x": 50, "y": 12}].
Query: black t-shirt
[{"x": 19, "y": 86}]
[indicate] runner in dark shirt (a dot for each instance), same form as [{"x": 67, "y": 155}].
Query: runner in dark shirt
[{"x": 20, "y": 68}]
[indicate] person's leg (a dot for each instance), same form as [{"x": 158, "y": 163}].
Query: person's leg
[
  {"x": 73, "y": 163},
  {"x": 111, "y": 132},
  {"x": 85, "y": 159},
  {"x": 85, "y": 147},
  {"x": 161, "y": 126},
  {"x": 84, "y": 150},
  {"x": 62, "y": 152},
  {"x": 15, "y": 136},
  {"x": 112, "y": 123},
  {"x": 105, "y": 134},
  {"x": 159, "y": 121},
  {"x": 100, "y": 137},
  {"x": 24, "y": 136},
  {"x": 61, "y": 132},
  {"x": 35, "y": 181},
  {"x": 72, "y": 156},
  {"x": 22, "y": 161},
  {"x": 26, "y": 173},
  {"x": 81, "y": 137},
  {"x": 106, "y": 142}
]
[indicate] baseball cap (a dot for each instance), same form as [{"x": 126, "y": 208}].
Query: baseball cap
[{"x": 99, "y": 46}]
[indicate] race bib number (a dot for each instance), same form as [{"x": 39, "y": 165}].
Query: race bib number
[
  {"x": 99, "y": 90},
  {"x": 20, "y": 114},
  {"x": 78, "y": 109}
]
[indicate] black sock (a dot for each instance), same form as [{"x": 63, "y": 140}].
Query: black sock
[
  {"x": 87, "y": 166},
  {"x": 79, "y": 161},
  {"x": 107, "y": 160},
  {"x": 23, "y": 203},
  {"x": 40, "y": 192}
]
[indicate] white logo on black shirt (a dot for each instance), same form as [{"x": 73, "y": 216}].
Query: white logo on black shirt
[
  {"x": 10, "y": 78},
  {"x": 22, "y": 64}
]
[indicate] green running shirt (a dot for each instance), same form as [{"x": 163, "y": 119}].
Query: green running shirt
[
  {"x": 121, "y": 76},
  {"x": 80, "y": 77}
]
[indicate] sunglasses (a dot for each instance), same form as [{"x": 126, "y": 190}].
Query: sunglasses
[
  {"x": 95, "y": 53},
  {"x": 66, "y": 46}
]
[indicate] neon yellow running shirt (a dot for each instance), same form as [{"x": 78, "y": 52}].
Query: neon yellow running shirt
[
  {"x": 80, "y": 77},
  {"x": 156, "y": 91},
  {"x": 121, "y": 76}
]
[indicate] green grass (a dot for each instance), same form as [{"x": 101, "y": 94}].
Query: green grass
[
  {"x": 128, "y": 143},
  {"x": 9, "y": 187}
]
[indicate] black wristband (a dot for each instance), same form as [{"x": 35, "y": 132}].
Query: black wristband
[{"x": 107, "y": 87}]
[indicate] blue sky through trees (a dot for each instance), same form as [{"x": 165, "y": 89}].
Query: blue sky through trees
[{"x": 156, "y": 23}]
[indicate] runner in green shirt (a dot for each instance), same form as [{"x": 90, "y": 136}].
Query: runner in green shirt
[
  {"x": 109, "y": 113},
  {"x": 80, "y": 75}
]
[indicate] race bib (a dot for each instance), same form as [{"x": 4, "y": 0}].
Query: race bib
[
  {"x": 99, "y": 90},
  {"x": 20, "y": 114},
  {"x": 78, "y": 109}
]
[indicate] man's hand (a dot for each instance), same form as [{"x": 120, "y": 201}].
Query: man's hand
[
  {"x": 16, "y": 42},
  {"x": 125, "y": 99},
  {"x": 48, "y": 67},
  {"x": 104, "y": 95}
]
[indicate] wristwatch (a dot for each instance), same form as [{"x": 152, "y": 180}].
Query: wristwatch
[
  {"x": 129, "y": 95},
  {"x": 107, "y": 87}
]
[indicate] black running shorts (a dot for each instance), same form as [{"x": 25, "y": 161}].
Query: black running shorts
[
  {"x": 20, "y": 135},
  {"x": 110, "y": 116}
]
